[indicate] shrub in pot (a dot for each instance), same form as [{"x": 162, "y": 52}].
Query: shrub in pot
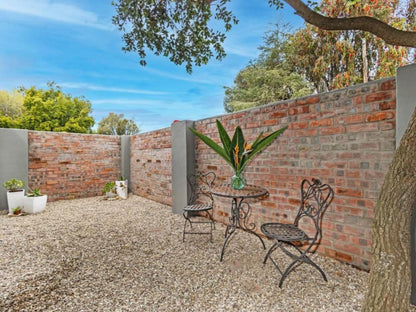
[
  {"x": 110, "y": 189},
  {"x": 15, "y": 194},
  {"x": 35, "y": 202}
]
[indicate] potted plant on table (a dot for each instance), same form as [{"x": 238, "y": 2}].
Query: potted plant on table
[
  {"x": 110, "y": 189},
  {"x": 15, "y": 194},
  {"x": 237, "y": 151},
  {"x": 122, "y": 187},
  {"x": 35, "y": 201}
]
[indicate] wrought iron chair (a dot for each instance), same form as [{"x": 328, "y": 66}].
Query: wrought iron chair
[
  {"x": 315, "y": 198},
  {"x": 200, "y": 203}
]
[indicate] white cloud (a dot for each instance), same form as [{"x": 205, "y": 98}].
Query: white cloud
[
  {"x": 88, "y": 86},
  {"x": 60, "y": 12}
]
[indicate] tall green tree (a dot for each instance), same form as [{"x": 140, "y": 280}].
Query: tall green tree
[
  {"x": 154, "y": 25},
  {"x": 53, "y": 110},
  {"x": 267, "y": 79},
  {"x": 257, "y": 85},
  {"x": 116, "y": 124}
]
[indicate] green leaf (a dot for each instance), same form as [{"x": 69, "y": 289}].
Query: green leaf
[
  {"x": 238, "y": 139},
  {"x": 225, "y": 138},
  {"x": 218, "y": 149},
  {"x": 257, "y": 140},
  {"x": 261, "y": 144}
]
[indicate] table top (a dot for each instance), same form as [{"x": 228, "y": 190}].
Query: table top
[{"x": 248, "y": 191}]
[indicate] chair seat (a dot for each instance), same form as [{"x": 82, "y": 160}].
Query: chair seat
[
  {"x": 284, "y": 232},
  {"x": 198, "y": 207}
]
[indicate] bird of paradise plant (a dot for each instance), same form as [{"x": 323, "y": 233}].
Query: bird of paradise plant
[{"x": 237, "y": 151}]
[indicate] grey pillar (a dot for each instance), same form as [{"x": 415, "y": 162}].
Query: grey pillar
[
  {"x": 125, "y": 157},
  {"x": 405, "y": 98},
  {"x": 183, "y": 162},
  {"x": 14, "y": 155}
]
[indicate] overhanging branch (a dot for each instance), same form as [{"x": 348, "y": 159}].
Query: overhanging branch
[{"x": 386, "y": 32}]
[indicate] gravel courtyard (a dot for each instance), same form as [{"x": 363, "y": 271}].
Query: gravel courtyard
[{"x": 128, "y": 255}]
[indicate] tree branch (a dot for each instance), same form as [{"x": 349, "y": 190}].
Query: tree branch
[{"x": 386, "y": 32}]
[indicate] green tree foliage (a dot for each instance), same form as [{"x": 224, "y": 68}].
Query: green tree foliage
[
  {"x": 116, "y": 124},
  {"x": 257, "y": 85},
  {"x": 53, "y": 110},
  {"x": 178, "y": 30},
  {"x": 11, "y": 108},
  {"x": 267, "y": 79},
  {"x": 328, "y": 60},
  {"x": 331, "y": 60}
]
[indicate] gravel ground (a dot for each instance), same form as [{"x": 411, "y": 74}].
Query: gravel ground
[{"x": 128, "y": 255}]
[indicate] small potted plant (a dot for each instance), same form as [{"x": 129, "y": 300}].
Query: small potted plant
[
  {"x": 110, "y": 189},
  {"x": 17, "y": 211},
  {"x": 15, "y": 193},
  {"x": 35, "y": 201},
  {"x": 122, "y": 187}
]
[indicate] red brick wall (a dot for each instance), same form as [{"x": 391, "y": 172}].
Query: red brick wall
[
  {"x": 69, "y": 165},
  {"x": 151, "y": 165},
  {"x": 345, "y": 137}
]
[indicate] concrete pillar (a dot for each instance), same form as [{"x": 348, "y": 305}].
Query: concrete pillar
[
  {"x": 125, "y": 157},
  {"x": 14, "y": 155},
  {"x": 405, "y": 98},
  {"x": 183, "y": 163}
]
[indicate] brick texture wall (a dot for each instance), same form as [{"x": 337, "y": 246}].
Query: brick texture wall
[
  {"x": 68, "y": 165},
  {"x": 151, "y": 165},
  {"x": 346, "y": 138}
]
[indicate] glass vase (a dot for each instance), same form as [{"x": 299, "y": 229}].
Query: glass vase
[{"x": 237, "y": 181}]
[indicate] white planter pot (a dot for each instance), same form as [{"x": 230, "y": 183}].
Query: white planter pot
[
  {"x": 122, "y": 189},
  {"x": 35, "y": 204},
  {"x": 15, "y": 199}
]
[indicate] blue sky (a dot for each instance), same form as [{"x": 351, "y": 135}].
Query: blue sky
[{"x": 74, "y": 43}]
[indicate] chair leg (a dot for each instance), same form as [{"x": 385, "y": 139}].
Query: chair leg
[
  {"x": 184, "y": 226},
  {"x": 188, "y": 220},
  {"x": 273, "y": 248},
  {"x": 302, "y": 258},
  {"x": 211, "y": 217}
]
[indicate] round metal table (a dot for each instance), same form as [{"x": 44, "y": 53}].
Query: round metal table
[{"x": 240, "y": 209}]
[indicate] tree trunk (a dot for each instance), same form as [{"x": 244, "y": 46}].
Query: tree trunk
[{"x": 390, "y": 275}]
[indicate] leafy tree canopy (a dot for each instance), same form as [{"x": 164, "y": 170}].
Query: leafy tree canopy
[
  {"x": 257, "y": 85},
  {"x": 326, "y": 60},
  {"x": 50, "y": 110},
  {"x": 331, "y": 60},
  {"x": 116, "y": 124},
  {"x": 180, "y": 29},
  {"x": 267, "y": 79}
]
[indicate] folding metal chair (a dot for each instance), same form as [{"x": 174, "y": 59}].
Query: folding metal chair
[
  {"x": 200, "y": 203},
  {"x": 315, "y": 198}
]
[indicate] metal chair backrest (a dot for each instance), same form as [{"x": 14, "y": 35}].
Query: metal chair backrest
[
  {"x": 315, "y": 198},
  {"x": 201, "y": 185}
]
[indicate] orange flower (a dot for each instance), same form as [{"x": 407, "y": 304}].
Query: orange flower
[
  {"x": 236, "y": 150},
  {"x": 247, "y": 148}
]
